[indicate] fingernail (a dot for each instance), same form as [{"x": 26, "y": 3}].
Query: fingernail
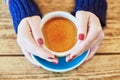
[
  {"x": 56, "y": 57},
  {"x": 50, "y": 58},
  {"x": 81, "y": 36},
  {"x": 54, "y": 63},
  {"x": 40, "y": 41},
  {"x": 69, "y": 60},
  {"x": 74, "y": 56}
]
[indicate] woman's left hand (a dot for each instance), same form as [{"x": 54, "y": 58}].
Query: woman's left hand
[{"x": 90, "y": 35}]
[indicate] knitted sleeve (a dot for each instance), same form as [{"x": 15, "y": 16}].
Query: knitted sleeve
[
  {"x": 20, "y": 9},
  {"x": 98, "y": 7}
]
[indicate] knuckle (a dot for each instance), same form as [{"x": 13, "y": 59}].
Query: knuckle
[
  {"x": 82, "y": 13},
  {"x": 102, "y": 35},
  {"x": 23, "y": 21},
  {"x": 98, "y": 31},
  {"x": 19, "y": 42},
  {"x": 94, "y": 17},
  {"x": 35, "y": 17}
]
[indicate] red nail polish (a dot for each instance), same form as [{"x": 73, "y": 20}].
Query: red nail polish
[
  {"x": 50, "y": 58},
  {"x": 40, "y": 41},
  {"x": 81, "y": 36},
  {"x": 54, "y": 63},
  {"x": 69, "y": 60},
  {"x": 74, "y": 56}
]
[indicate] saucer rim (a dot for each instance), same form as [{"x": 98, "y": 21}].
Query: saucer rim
[{"x": 61, "y": 70}]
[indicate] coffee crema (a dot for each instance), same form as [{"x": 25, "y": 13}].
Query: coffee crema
[{"x": 59, "y": 34}]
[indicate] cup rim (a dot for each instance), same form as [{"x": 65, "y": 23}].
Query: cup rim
[{"x": 68, "y": 16}]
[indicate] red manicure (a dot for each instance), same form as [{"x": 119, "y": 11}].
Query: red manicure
[
  {"x": 81, "y": 36},
  {"x": 40, "y": 41},
  {"x": 54, "y": 63},
  {"x": 69, "y": 60},
  {"x": 74, "y": 56},
  {"x": 50, "y": 58}
]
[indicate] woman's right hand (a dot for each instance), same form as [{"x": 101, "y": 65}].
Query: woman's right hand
[{"x": 30, "y": 40}]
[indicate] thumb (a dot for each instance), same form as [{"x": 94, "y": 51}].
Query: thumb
[
  {"x": 34, "y": 22},
  {"x": 82, "y": 18}
]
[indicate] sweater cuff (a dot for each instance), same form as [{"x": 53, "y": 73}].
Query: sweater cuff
[
  {"x": 20, "y": 9},
  {"x": 98, "y": 7}
]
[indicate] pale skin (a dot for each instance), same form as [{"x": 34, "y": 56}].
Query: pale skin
[
  {"x": 29, "y": 34},
  {"x": 89, "y": 26}
]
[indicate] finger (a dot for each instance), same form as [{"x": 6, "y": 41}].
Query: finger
[
  {"x": 82, "y": 18},
  {"x": 93, "y": 32},
  {"x": 94, "y": 21},
  {"x": 98, "y": 39},
  {"x": 30, "y": 45},
  {"x": 36, "y": 30},
  {"x": 95, "y": 45},
  {"x": 28, "y": 56},
  {"x": 83, "y": 23},
  {"x": 83, "y": 46},
  {"x": 37, "y": 34}
]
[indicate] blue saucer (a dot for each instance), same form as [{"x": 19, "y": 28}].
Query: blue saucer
[{"x": 62, "y": 66}]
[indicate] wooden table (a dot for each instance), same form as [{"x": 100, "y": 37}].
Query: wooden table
[{"x": 105, "y": 65}]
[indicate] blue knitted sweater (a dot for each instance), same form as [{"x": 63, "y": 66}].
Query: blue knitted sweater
[{"x": 20, "y": 9}]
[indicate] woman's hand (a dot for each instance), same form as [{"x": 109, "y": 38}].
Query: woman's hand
[
  {"x": 30, "y": 40},
  {"x": 90, "y": 35}
]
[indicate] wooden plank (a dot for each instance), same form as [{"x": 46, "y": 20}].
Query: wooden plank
[
  {"x": 9, "y": 47},
  {"x": 55, "y": 5},
  {"x": 101, "y": 67},
  {"x": 111, "y": 42}
]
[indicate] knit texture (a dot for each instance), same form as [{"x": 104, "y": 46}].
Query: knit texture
[
  {"x": 98, "y": 7},
  {"x": 20, "y": 9}
]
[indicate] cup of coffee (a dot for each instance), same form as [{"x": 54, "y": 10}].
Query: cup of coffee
[{"x": 60, "y": 32}]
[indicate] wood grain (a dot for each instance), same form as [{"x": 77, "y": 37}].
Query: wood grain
[
  {"x": 103, "y": 66},
  {"x": 99, "y": 68}
]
